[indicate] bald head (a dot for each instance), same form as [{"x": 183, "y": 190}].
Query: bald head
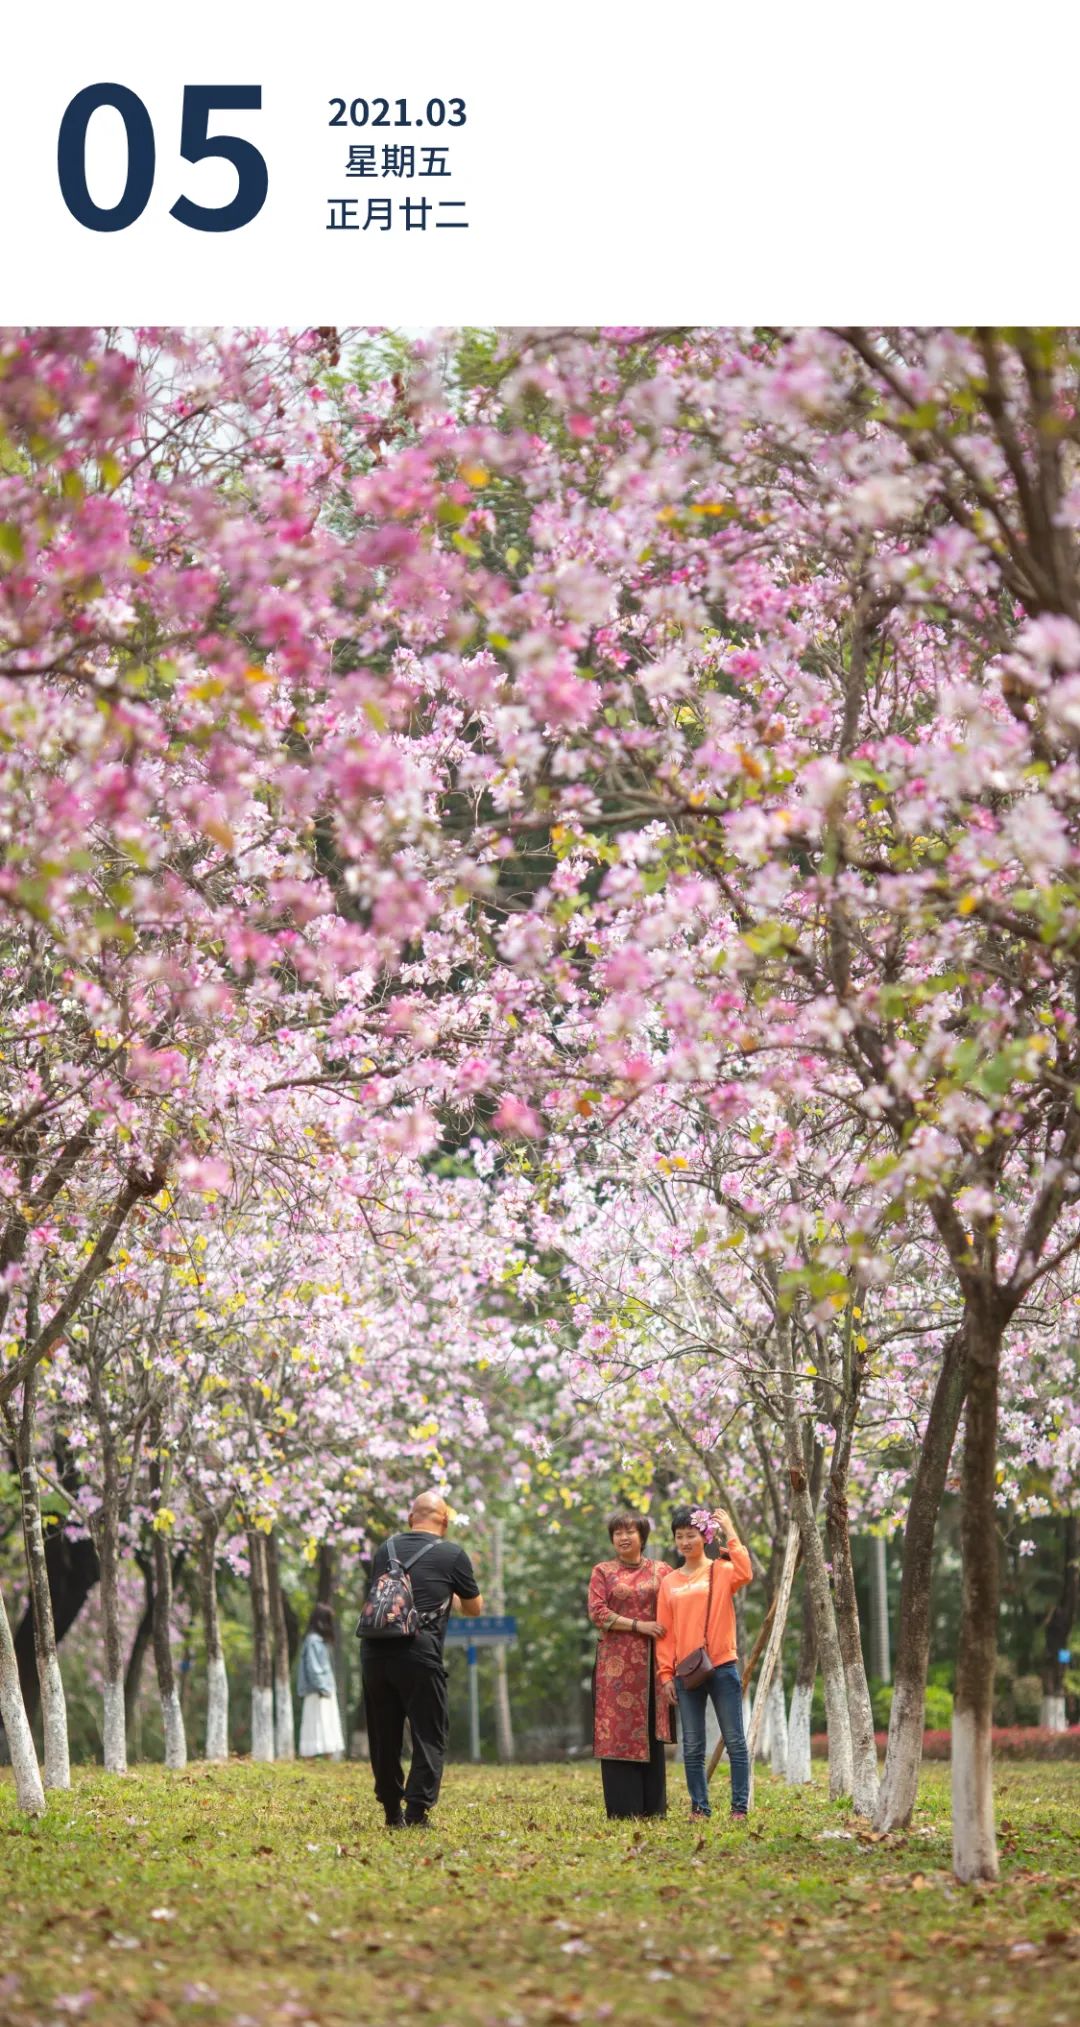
[{"x": 429, "y": 1513}]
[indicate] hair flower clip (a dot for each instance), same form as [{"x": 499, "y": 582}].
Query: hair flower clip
[{"x": 702, "y": 1519}]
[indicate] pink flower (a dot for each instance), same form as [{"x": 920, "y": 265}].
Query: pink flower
[
  {"x": 207, "y": 1172},
  {"x": 514, "y": 1116}
]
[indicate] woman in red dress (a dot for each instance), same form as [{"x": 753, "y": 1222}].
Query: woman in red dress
[{"x": 631, "y": 1723}]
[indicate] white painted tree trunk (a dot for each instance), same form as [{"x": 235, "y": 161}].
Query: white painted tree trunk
[
  {"x": 974, "y": 1836},
  {"x": 217, "y": 1709},
  {"x": 864, "y": 1766},
  {"x": 53, "y": 1703},
  {"x": 771, "y": 1657},
  {"x": 974, "y": 1839},
  {"x": 819, "y": 1595},
  {"x": 114, "y": 1727},
  {"x": 762, "y": 1730},
  {"x": 903, "y": 1751},
  {"x": 799, "y": 1769},
  {"x": 217, "y": 1678},
  {"x": 778, "y": 1727},
  {"x": 172, "y": 1718},
  {"x": 504, "y": 1727},
  {"x": 29, "y": 1792},
  {"x": 284, "y": 1734},
  {"x": 55, "y": 1726},
  {"x": 114, "y": 1716},
  {"x": 879, "y": 1609},
  {"x": 262, "y": 1723},
  {"x": 831, "y": 1660},
  {"x": 774, "y": 1644},
  {"x": 262, "y": 1665},
  {"x": 903, "y": 1755},
  {"x": 1052, "y": 1714},
  {"x": 838, "y": 1726},
  {"x": 50, "y": 1680}
]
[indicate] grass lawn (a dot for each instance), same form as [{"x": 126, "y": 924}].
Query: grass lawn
[{"x": 260, "y": 1896}]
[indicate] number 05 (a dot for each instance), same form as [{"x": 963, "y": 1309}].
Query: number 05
[{"x": 197, "y": 144}]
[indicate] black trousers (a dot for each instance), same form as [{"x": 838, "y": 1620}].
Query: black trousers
[
  {"x": 638, "y": 1787},
  {"x": 396, "y": 1687}
]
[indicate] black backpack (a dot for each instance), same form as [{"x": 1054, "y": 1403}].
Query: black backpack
[{"x": 390, "y": 1609}]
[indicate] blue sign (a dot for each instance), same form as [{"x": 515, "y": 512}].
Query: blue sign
[{"x": 491, "y": 1629}]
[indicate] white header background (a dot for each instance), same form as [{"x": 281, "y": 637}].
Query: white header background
[{"x": 644, "y": 164}]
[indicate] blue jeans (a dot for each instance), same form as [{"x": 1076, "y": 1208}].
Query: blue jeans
[{"x": 724, "y": 1687}]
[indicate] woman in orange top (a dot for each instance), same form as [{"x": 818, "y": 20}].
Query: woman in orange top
[{"x": 695, "y": 1609}]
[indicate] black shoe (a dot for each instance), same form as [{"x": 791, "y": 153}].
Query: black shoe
[
  {"x": 395, "y": 1822},
  {"x": 420, "y": 1822}
]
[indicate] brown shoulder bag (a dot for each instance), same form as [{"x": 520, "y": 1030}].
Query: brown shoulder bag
[{"x": 696, "y": 1668}]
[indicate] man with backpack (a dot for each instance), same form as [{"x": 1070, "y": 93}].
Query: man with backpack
[{"x": 415, "y": 1576}]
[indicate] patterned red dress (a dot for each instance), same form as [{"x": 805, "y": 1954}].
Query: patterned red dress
[{"x": 631, "y": 1721}]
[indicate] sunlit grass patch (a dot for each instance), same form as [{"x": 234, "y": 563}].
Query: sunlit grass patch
[{"x": 272, "y": 1895}]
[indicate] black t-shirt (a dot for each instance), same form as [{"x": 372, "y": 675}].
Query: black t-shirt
[{"x": 443, "y": 1572}]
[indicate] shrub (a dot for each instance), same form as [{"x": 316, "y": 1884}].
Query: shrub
[
  {"x": 1014, "y": 1742},
  {"x": 881, "y": 1696},
  {"x": 1027, "y": 1699},
  {"x": 939, "y": 1705},
  {"x": 938, "y": 1709},
  {"x": 1010, "y": 1742}
]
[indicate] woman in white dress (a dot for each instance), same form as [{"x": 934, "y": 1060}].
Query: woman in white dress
[{"x": 320, "y": 1720}]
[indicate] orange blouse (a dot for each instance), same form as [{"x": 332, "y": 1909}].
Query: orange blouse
[{"x": 681, "y": 1608}]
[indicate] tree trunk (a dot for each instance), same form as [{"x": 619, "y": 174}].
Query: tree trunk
[
  {"x": 776, "y": 1622},
  {"x": 217, "y": 1680},
  {"x": 974, "y": 1838},
  {"x": 837, "y": 1719},
  {"x": 114, "y": 1727},
  {"x": 778, "y": 1726},
  {"x": 800, "y": 1764},
  {"x": 1059, "y": 1625},
  {"x": 73, "y": 1570},
  {"x": 326, "y": 1588},
  {"x": 880, "y": 1651},
  {"x": 140, "y": 1647},
  {"x": 764, "y": 1727},
  {"x": 838, "y": 1722},
  {"x": 29, "y": 1792},
  {"x": 799, "y": 1768},
  {"x": 762, "y": 1730},
  {"x": 284, "y": 1734},
  {"x": 903, "y": 1753},
  {"x": 262, "y": 1662},
  {"x": 860, "y": 1710},
  {"x": 53, "y": 1705},
  {"x": 171, "y": 1714},
  {"x": 504, "y": 1726}
]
